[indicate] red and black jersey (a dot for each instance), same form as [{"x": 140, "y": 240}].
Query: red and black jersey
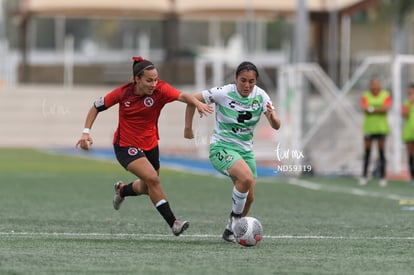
[{"x": 138, "y": 115}]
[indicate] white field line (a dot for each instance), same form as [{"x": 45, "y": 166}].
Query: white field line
[
  {"x": 354, "y": 191},
  {"x": 192, "y": 236}
]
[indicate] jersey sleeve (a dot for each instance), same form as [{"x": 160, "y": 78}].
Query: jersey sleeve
[
  {"x": 169, "y": 92},
  {"x": 208, "y": 96},
  {"x": 388, "y": 101},
  {"x": 214, "y": 94},
  {"x": 107, "y": 101},
  {"x": 363, "y": 102},
  {"x": 405, "y": 108},
  {"x": 266, "y": 100}
]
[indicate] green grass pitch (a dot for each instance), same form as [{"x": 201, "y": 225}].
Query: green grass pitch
[{"x": 57, "y": 218}]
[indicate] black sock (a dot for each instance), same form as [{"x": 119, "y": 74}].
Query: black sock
[
  {"x": 166, "y": 213},
  {"x": 366, "y": 162},
  {"x": 382, "y": 163},
  {"x": 128, "y": 191},
  {"x": 232, "y": 214}
]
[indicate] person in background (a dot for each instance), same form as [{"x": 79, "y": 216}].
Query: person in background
[
  {"x": 238, "y": 109},
  {"x": 375, "y": 103},
  {"x": 408, "y": 128},
  {"x": 136, "y": 138}
]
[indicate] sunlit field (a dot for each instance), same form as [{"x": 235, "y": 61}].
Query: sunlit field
[{"x": 57, "y": 218}]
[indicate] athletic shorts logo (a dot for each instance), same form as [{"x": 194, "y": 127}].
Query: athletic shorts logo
[
  {"x": 148, "y": 101},
  {"x": 229, "y": 158},
  {"x": 132, "y": 151}
]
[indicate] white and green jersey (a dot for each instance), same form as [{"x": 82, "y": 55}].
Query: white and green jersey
[{"x": 236, "y": 116}]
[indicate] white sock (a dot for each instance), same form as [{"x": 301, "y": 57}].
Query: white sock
[{"x": 239, "y": 200}]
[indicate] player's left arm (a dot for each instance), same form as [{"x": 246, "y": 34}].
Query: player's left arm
[
  {"x": 173, "y": 94},
  {"x": 271, "y": 116},
  {"x": 202, "y": 108},
  {"x": 189, "y": 114}
]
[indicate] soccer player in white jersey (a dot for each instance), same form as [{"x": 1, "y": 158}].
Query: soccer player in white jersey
[{"x": 238, "y": 109}]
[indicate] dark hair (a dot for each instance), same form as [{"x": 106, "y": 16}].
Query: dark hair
[
  {"x": 247, "y": 66},
  {"x": 140, "y": 65},
  {"x": 411, "y": 85}
]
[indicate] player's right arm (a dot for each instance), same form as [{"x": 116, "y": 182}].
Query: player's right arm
[
  {"x": 189, "y": 114},
  {"x": 86, "y": 139},
  {"x": 101, "y": 104}
]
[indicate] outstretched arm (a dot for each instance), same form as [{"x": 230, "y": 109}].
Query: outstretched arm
[
  {"x": 189, "y": 114},
  {"x": 86, "y": 139},
  {"x": 272, "y": 117},
  {"x": 202, "y": 108}
]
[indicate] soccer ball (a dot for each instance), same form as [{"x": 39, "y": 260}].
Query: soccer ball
[{"x": 248, "y": 231}]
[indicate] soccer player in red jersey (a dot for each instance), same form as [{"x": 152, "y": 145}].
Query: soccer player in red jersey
[{"x": 136, "y": 137}]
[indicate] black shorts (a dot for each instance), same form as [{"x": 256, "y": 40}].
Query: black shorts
[
  {"x": 375, "y": 136},
  {"x": 126, "y": 155}
]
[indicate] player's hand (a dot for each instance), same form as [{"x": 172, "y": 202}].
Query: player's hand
[
  {"x": 272, "y": 117},
  {"x": 84, "y": 142},
  {"x": 269, "y": 107},
  {"x": 204, "y": 109},
  {"x": 188, "y": 133}
]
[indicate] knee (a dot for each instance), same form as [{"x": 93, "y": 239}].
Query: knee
[
  {"x": 247, "y": 182},
  {"x": 152, "y": 180},
  {"x": 244, "y": 184}
]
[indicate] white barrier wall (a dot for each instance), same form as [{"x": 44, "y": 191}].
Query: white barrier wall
[{"x": 52, "y": 116}]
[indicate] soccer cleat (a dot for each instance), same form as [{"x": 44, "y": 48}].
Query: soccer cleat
[
  {"x": 382, "y": 182},
  {"x": 179, "y": 227},
  {"x": 117, "y": 201},
  {"x": 228, "y": 234}
]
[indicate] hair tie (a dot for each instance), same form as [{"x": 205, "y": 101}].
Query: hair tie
[
  {"x": 140, "y": 65},
  {"x": 137, "y": 58}
]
